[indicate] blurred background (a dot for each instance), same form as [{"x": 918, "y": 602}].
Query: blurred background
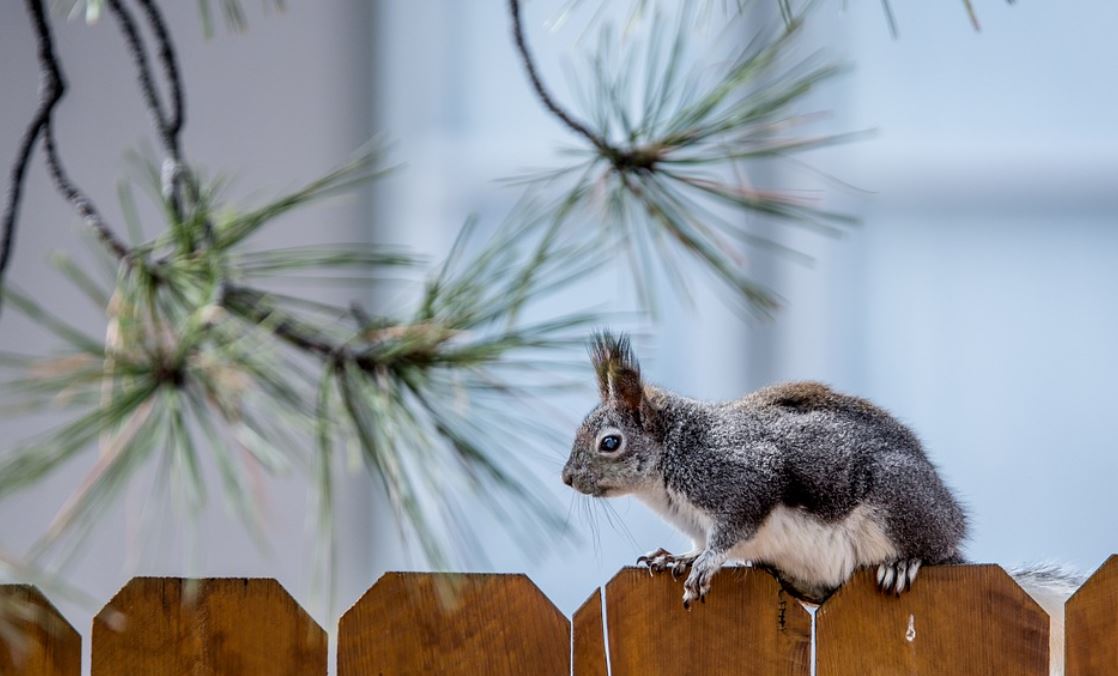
[{"x": 975, "y": 301}]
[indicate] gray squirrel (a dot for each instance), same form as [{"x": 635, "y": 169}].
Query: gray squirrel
[{"x": 797, "y": 478}]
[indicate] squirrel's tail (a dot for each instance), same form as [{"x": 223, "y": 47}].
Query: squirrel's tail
[{"x": 1050, "y": 585}]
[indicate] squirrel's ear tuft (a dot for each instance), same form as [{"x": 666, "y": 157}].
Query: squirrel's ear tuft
[{"x": 619, "y": 374}]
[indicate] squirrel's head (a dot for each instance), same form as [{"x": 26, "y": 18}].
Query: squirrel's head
[{"x": 617, "y": 447}]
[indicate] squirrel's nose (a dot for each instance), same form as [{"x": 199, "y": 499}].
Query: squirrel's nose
[{"x": 568, "y": 478}]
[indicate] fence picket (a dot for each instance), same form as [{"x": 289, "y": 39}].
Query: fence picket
[
  {"x": 35, "y": 640},
  {"x": 429, "y": 623},
  {"x": 955, "y": 620},
  {"x": 748, "y": 625},
  {"x": 1092, "y": 624},
  {"x": 209, "y": 626},
  {"x": 589, "y": 638}
]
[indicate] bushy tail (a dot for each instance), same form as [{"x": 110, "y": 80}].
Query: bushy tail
[{"x": 1050, "y": 585}]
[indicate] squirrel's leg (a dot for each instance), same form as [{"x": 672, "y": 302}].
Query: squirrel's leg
[
  {"x": 894, "y": 577},
  {"x": 707, "y": 564}
]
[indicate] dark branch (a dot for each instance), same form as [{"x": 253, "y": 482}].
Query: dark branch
[
  {"x": 167, "y": 124},
  {"x": 176, "y": 119},
  {"x": 51, "y": 90},
  {"x": 138, "y": 52},
  {"x": 77, "y": 198},
  {"x": 251, "y": 305},
  {"x": 541, "y": 91},
  {"x": 171, "y": 125}
]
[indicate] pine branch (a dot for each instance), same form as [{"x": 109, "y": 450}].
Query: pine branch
[{"x": 683, "y": 143}]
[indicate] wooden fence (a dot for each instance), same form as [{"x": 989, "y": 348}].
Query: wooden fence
[{"x": 957, "y": 620}]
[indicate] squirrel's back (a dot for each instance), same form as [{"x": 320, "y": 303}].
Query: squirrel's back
[{"x": 809, "y": 396}]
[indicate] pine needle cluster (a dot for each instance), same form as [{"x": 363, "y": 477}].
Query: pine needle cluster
[{"x": 666, "y": 168}]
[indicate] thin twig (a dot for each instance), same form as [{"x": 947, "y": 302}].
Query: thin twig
[
  {"x": 77, "y": 198},
  {"x": 172, "y": 124},
  {"x": 890, "y": 18},
  {"x": 167, "y": 56},
  {"x": 541, "y": 91},
  {"x": 247, "y": 303},
  {"x": 143, "y": 70},
  {"x": 973, "y": 15},
  {"x": 51, "y": 89},
  {"x": 168, "y": 123}
]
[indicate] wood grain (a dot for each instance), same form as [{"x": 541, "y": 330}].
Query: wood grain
[
  {"x": 428, "y": 623},
  {"x": 748, "y": 625},
  {"x": 589, "y": 638},
  {"x": 956, "y": 620},
  {"x": 35, "y": 640},
  {"x": 1092, "y": 624},
  {"x": 221, "y": 626}
]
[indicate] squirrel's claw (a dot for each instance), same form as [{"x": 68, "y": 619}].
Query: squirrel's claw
[
  {"x": 897, "y": 576},
  {"x": 662, "y": 560},
  {"x": 650, "y": 558}
]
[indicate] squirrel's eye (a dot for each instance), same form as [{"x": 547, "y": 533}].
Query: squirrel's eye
[{"x": 610, "y": 443}]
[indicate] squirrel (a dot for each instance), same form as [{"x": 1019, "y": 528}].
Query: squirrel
[{"x": 796, "y": 478}]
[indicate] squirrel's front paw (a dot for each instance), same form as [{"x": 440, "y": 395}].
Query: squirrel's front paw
[
  {"x": 896, "y": 576},
  {"x": 661, "y": 560},
  {"x": 697, "y": 585}
]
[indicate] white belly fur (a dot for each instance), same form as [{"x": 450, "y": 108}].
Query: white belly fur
[{"x": 816, "y": 553}]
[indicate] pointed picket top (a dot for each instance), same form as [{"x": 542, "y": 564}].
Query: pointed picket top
[
  {"x": 34, "y": 637},
  {"x": 965, "y": 619},
  {"x": 441, "y": 623},
  {"x": 748, "y": 625},
  {"x": 588, "y": 637},
  {"x": 207, "y": 626},
  {"x": 1092, "y": 624}
]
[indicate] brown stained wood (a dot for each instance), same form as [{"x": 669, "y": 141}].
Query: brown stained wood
[
  {"x": 35, "y": 640},
  {"x": 748, "y": 625},
  {"x": 589, "y": 638},
  {"x": 956, "y": 620},
  {"x": 427, "y": 623},
  {"x": 1092, "y": 624},
  {"x": 206, "y": 627}
]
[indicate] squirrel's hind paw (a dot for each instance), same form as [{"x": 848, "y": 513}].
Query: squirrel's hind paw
[{"x": 897, "y": 576}]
